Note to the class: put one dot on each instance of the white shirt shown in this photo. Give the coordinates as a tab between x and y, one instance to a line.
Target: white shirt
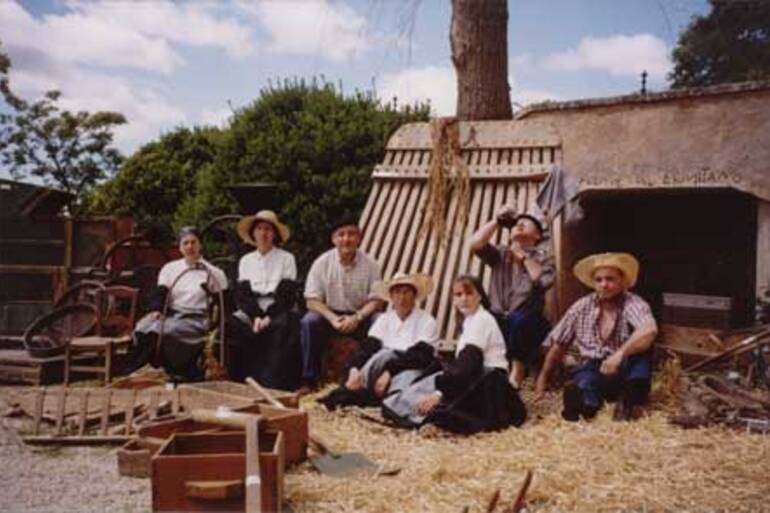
343	289
400	335
265	272
481	330
187	293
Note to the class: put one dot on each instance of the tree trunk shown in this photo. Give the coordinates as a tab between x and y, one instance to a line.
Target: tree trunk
479	39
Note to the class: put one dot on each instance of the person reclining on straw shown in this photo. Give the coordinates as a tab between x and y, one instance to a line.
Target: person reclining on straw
182	291
470	393
521	274
614	330
264	331
339	296
405	337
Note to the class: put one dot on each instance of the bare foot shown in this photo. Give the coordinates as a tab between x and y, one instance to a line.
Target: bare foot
382	384
355	380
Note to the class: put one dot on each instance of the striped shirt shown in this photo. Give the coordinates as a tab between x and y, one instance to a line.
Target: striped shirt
581	325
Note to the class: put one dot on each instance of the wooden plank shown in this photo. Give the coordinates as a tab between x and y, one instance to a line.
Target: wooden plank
465	256
154	402
76	440
383	250
416	244
401	251
442	256
175	402
106	404
384	222
368	237
38	415
484	215
253	477
366	215
83	413
130	411
60	410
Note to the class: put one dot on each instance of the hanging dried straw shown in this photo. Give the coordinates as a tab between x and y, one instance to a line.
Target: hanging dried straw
447	177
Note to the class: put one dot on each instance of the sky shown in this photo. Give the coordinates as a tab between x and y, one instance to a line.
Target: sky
167	64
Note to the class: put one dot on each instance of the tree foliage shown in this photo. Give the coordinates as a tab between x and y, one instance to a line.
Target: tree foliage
730	44
315	143
72	150
158	177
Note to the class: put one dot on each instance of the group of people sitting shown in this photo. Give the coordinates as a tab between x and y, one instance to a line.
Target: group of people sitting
398	364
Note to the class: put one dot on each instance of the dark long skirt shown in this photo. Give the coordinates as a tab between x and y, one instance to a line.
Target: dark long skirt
184	337
272	357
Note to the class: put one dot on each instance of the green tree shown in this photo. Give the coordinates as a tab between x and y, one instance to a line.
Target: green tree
158	177
72	150
729	44
318	145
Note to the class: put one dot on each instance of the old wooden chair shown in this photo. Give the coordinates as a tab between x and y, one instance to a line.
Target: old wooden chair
116	313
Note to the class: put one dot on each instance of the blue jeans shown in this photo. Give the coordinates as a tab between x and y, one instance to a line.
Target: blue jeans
634	375
524	332
314	334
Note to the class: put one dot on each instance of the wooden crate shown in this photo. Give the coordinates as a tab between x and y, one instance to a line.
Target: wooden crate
135	458
187	458
697	310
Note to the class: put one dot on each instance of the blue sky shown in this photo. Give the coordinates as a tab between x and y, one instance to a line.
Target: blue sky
165	64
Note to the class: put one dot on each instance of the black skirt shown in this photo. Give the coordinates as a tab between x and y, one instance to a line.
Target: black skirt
490	404
272	357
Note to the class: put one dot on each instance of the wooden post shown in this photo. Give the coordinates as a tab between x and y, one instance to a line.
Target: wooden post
60	410
83	413
105	410
39	403
253	479
130	411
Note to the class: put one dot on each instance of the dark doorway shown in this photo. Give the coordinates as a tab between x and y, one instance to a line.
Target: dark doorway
690	242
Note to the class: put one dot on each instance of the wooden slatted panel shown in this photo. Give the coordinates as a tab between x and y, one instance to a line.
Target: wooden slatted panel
441	257
382	199
407	214
411	254
383	223
454	247
497	202
393	221
371	201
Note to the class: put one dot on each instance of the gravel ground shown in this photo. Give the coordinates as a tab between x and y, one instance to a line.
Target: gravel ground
73	479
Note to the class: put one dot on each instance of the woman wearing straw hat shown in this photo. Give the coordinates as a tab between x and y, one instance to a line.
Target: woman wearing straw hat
182	294
264	330
403	338
614	329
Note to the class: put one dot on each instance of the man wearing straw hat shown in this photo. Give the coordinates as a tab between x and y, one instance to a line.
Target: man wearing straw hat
339	296
521	274
614	329
403	338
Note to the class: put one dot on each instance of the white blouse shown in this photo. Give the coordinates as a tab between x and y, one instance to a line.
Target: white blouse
401	335
265	272
481	330
187	295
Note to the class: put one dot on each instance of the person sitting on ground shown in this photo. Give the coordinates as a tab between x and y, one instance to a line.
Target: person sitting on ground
264	331
521	273
405	337
614	330
471	393
339	296
183	290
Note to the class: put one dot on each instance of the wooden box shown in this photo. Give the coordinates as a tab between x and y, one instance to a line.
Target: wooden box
697	310
187	461
135	458
292	423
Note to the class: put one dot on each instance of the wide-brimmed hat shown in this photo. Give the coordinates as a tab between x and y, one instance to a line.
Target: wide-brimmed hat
625	262
422	283
246	226
344	219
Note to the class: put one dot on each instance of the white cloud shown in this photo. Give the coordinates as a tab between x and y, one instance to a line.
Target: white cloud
312	27
618	55
439	85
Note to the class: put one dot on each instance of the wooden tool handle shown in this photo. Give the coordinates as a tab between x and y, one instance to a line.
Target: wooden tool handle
264	393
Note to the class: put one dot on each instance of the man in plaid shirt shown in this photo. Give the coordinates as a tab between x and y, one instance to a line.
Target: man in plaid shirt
613	329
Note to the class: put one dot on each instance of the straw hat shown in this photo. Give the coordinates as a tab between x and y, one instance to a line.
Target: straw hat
625	262
246	224
422	283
